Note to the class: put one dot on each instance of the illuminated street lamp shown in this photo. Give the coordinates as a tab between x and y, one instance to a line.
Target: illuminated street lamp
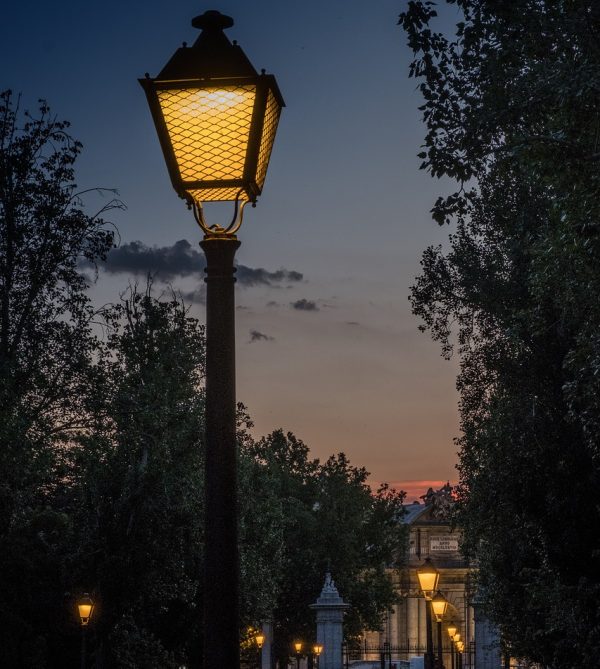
259	639
439	605
298	649
428	577
216	119
452	630
317	650
85	609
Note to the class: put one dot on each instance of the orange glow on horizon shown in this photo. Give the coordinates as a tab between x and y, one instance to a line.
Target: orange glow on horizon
415	488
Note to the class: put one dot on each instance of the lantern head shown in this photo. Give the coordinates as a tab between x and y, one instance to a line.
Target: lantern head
260	639
85	608
439	604
428	577
452	629
216	117
297	646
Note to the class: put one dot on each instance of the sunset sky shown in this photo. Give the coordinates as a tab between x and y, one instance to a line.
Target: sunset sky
326	343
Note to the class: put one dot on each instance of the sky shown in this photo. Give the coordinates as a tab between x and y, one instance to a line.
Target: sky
327	346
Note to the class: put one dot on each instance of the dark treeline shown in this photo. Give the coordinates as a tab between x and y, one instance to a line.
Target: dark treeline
101	454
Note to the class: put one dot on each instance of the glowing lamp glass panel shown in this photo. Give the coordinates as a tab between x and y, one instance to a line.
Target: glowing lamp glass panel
428	578
439	606
317	650
298	646
84	608
260	639
457	637
209	131
451	631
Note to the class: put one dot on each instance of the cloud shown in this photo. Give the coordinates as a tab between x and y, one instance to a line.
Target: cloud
181	260
304	305
195	296
255	335
259	276
352	323
272	304
165	262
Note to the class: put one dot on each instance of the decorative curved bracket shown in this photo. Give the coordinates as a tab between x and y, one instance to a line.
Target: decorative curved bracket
217	230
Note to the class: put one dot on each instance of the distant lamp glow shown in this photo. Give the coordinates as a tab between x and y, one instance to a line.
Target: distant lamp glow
317	649
460	646
215	116
259	639
439	604
428	577
298	646
85	607
456	638
452	629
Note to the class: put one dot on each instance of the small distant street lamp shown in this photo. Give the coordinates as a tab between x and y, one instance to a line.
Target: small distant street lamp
439	604
85	608
259	639
452	630
460	646
317	650
298	649
428	577
216	119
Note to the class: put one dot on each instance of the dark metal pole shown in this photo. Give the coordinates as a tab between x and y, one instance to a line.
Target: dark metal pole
429	660
452	653
83	645
439	642
221	561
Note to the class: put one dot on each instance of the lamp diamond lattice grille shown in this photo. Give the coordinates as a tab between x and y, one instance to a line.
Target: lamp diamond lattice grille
209	129
272	113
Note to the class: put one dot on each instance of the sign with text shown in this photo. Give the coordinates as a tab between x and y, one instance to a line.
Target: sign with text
443	543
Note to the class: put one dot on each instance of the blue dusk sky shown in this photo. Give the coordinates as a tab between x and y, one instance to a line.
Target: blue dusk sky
327	347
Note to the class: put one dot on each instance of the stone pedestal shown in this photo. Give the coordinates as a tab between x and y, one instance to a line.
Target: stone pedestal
487	640
330	608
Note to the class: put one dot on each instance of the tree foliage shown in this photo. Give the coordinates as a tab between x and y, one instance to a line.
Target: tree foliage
511	104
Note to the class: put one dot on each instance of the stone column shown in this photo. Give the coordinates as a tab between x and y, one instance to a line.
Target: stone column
330	609
265	656
412	623
487	640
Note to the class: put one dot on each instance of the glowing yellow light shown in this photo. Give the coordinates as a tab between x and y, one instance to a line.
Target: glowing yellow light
457	638
439	604
209	130
452	629
298	646
428	577
260	639
317	650
85	607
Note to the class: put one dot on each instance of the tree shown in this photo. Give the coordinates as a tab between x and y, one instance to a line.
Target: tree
511	109
45	349
330	519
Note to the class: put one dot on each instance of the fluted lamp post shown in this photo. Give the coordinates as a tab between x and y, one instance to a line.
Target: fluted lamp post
428	577
85	608
439	604
216	119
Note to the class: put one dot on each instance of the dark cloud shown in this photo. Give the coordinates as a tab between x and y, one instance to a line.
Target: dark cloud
352	323
304	305
165	262
181	259
255	335
259	276
273	304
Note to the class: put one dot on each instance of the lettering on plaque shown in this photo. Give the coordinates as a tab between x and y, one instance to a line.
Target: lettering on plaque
446	543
